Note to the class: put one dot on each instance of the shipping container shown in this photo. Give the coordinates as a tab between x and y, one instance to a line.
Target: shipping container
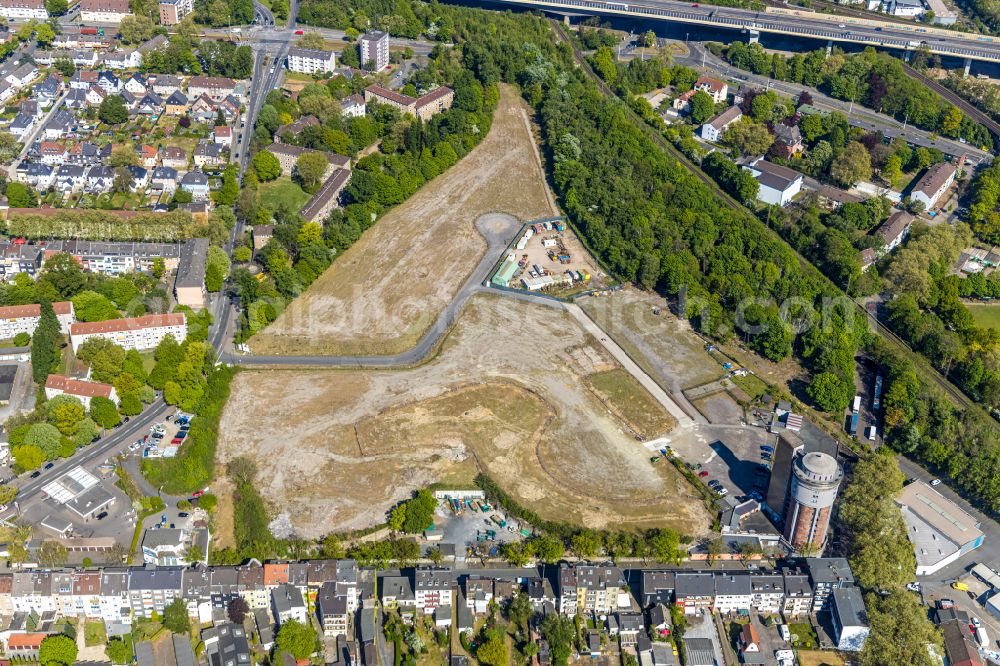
857	404
981	637
853	429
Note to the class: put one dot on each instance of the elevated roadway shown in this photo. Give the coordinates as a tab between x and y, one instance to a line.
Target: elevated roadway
789	22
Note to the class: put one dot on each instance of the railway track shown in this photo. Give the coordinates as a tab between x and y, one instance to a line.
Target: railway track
950	389
964	105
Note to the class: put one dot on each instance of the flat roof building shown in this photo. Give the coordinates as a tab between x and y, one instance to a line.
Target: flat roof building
189	285
940	530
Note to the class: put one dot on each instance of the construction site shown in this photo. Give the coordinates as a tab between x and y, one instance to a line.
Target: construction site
541	406
548	257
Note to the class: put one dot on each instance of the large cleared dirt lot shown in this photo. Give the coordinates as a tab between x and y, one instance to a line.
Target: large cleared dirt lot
517	390
390	286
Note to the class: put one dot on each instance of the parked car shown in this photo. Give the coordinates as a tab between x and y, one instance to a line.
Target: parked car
35	474
703	473
182	514
102	515
936	482
769	449
50	465
913	587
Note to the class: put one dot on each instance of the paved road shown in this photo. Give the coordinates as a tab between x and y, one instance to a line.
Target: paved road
29	490
498	230
661	396
795	22
858	115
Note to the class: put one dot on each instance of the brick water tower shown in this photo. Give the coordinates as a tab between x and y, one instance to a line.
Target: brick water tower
816	479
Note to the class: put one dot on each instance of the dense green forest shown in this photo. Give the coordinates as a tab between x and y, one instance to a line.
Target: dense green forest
874	79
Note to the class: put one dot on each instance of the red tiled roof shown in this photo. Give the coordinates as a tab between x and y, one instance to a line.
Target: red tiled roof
25	641
128	324
433	96
275	573
78	387
33	310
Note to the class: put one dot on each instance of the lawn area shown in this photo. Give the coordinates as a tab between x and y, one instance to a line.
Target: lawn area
803	634
632	402
752	384
820	658
283	192
93	634
986	315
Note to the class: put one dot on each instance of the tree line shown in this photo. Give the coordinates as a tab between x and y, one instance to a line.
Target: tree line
874	79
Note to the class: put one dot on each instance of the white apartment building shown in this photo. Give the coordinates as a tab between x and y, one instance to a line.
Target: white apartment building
103	11
310	61
132	333
374	51
16	319
18	10
84	391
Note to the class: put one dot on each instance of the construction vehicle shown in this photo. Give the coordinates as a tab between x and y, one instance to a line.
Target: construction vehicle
498	520
958	585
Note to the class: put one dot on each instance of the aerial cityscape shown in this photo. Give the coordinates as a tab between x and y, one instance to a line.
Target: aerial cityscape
499	333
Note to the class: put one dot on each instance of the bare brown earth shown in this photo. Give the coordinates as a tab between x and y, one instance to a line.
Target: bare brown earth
389	287
508	393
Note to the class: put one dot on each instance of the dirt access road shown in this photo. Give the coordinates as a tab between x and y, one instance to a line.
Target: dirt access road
508	393
386	291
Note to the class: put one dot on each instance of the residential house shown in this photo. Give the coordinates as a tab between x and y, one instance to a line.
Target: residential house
40	176
203	108
116	608
94	96
767	592
151	104
177	103
600	589
70	177
353	106
196	183
630	627
230	107
52	153
659	620
120	60
287	603
226	644
86	594
540	593
778	184
103	11
750	645
166	85
787	141
47	90
23	10
694	591
189	284
31	591
140	177
250	583
171	547
173	11
331	610
173	156
82	79
21	126
658	588
216	88
716	89
478	594
424	107
153	589
310	61
327	197
84	391
432	588
141	333
397	592
208	154
23	75
109	82
148	156
223	135
164	179
713	129
374	50
733	593
568	590
827	574
136	84
933	184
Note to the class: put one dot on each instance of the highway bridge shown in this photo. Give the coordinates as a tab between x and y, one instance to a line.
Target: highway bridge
787	21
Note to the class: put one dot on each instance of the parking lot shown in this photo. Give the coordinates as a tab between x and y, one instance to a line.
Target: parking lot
729	455
164	438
